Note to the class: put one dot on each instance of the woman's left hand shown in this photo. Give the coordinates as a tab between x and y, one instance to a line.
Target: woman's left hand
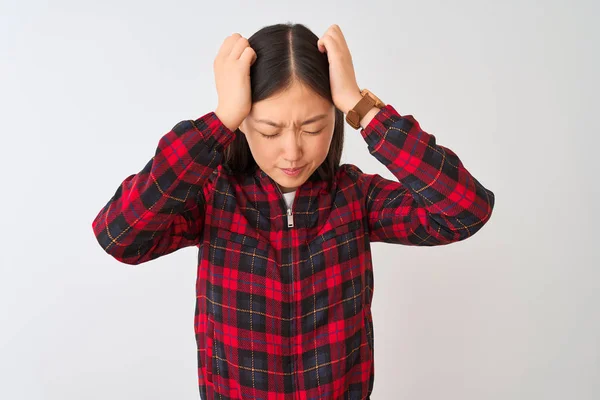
344	88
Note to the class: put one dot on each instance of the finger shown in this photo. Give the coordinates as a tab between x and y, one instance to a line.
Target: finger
238	48
321	46
228	44
321	43
330	43
248	56
325	42
342	38
336	32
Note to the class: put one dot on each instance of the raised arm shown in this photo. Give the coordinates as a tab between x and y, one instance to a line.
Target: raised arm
435	201
161	208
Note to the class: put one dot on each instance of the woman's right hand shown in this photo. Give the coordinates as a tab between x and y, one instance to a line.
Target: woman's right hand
232	78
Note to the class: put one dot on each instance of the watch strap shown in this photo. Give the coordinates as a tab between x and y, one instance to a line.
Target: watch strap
357	113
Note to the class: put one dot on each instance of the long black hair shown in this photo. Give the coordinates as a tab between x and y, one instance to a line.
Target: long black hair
286	54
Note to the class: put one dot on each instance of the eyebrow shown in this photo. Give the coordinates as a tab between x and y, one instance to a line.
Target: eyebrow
308	121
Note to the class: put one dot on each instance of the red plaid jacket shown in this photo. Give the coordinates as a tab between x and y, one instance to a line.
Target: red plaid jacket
283	306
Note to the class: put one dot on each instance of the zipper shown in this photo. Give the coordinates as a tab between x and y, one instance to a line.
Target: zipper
290	224
290	218
292	303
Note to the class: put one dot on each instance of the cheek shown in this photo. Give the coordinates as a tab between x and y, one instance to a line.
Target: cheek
324	143
261	150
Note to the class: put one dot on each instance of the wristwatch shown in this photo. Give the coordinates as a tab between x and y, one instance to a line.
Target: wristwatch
368	101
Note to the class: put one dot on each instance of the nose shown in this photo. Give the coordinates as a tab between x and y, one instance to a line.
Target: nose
292	149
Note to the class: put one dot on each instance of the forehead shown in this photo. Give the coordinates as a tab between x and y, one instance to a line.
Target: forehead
293	105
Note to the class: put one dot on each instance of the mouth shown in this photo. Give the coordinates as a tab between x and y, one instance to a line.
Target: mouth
292	171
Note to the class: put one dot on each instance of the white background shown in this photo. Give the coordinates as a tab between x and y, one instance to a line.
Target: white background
89	87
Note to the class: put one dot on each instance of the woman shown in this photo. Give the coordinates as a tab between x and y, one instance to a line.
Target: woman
285	280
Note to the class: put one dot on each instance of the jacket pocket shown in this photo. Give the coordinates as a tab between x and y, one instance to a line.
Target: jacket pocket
240	265
334	272
339	243
244	312
352	228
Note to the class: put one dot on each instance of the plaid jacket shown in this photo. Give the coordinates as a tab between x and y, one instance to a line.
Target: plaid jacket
283	306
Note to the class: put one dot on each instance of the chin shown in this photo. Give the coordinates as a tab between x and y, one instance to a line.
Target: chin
290	183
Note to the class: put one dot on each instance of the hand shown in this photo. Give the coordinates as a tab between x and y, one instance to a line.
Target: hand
344	89
232	79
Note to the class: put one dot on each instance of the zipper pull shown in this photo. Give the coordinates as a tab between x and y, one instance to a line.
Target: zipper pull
290	218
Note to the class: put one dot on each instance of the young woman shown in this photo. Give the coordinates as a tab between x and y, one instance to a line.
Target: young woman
285	279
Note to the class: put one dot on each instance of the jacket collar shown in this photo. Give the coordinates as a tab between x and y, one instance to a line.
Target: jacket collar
312	184
312	196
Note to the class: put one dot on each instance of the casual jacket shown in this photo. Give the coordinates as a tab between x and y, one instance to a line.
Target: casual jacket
283	306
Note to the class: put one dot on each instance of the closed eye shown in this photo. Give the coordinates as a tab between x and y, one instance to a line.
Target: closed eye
269	136
277	134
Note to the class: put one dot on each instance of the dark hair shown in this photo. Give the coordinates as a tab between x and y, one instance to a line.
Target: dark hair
286	54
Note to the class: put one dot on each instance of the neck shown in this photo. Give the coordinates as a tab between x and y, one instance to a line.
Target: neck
286	190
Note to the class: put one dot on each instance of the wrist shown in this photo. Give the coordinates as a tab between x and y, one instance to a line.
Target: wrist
230	123
351	102
368	117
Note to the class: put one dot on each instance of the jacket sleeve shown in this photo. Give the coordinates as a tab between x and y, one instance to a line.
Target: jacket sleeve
435	201
161	208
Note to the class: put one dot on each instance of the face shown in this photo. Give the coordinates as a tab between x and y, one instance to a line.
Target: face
290	130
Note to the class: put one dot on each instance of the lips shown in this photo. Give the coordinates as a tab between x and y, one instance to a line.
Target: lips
292	172
292	169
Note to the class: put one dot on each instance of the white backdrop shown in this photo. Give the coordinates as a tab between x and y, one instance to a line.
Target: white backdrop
89	88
